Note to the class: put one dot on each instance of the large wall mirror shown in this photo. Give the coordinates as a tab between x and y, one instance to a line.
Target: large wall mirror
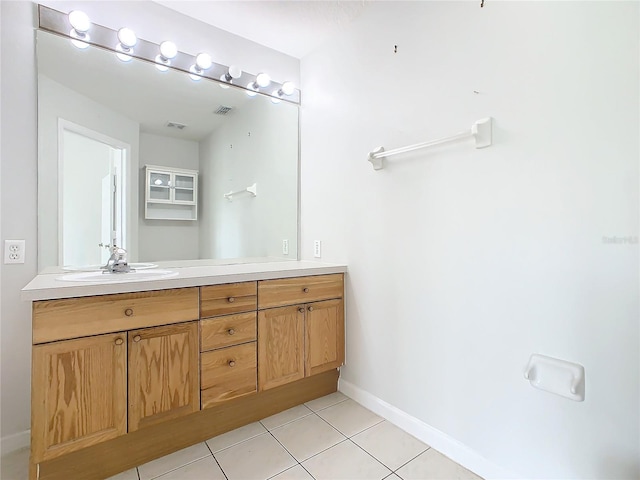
113	134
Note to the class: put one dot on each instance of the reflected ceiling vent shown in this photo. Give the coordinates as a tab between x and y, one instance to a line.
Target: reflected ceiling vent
222	110
179	126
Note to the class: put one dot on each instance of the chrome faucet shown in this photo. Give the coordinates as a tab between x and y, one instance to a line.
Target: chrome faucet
117	262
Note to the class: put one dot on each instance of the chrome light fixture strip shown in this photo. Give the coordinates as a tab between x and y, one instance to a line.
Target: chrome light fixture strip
103	37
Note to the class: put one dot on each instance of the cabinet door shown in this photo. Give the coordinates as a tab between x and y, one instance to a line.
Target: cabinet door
324	327
184	188
164	379
280	346
79	394
159	186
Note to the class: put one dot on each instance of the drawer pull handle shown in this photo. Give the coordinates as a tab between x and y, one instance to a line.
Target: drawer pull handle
231	299
305	290
128	312
301	309
310	309
137	338
119	341
232	363
231	331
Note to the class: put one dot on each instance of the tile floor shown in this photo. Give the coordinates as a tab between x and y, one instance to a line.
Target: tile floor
329	438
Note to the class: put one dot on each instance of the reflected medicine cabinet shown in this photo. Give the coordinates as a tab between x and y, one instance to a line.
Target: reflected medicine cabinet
171	193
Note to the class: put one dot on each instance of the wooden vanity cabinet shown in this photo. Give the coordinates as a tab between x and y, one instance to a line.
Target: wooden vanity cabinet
78	394
228	342
300	339
164	379
119	380
85	389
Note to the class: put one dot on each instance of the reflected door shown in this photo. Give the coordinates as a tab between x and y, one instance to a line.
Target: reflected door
92	198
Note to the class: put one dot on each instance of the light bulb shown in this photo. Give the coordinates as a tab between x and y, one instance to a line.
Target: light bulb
235	72
288	88
275	96
81	24
263	80
168	50
127	38
79	21
253	89
203	61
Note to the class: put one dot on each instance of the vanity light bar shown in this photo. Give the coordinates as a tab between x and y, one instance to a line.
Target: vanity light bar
57	22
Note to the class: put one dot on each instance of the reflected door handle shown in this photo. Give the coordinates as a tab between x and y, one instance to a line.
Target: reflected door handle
310	309
305	290
231	299
232	363
301	309
128	312
119	341
137	338
231	331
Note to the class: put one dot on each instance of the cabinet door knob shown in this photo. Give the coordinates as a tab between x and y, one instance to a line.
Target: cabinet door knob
310	308
119	341
305	290
232	363
231	331
137	338
128	312
231	299
301	309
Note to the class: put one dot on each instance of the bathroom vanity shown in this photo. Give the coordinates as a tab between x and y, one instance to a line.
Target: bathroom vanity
127	372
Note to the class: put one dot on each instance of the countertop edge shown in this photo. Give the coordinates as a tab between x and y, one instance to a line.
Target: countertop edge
54	289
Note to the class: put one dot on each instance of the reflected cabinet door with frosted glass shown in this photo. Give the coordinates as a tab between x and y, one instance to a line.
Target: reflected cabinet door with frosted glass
171	194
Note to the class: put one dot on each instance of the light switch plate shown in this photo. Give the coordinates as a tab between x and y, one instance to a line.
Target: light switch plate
317	249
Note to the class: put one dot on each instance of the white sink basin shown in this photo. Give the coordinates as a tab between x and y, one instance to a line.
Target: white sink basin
134	276
95	268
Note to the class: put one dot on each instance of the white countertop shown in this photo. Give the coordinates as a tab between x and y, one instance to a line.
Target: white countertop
47	286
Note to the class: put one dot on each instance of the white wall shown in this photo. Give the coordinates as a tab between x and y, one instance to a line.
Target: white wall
55	101
254	145
18	150
167	239
463	262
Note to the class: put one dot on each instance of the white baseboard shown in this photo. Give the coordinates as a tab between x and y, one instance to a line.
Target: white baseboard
433	437
14	442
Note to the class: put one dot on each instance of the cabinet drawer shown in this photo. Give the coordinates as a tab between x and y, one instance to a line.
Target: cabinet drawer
226	299
289	291
80	317
227	330
228	373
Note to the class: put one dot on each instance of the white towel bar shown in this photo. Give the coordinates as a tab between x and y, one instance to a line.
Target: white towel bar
481	131
252	189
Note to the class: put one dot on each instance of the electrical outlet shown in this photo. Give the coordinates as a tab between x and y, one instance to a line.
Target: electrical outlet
317	248
14	251
285	247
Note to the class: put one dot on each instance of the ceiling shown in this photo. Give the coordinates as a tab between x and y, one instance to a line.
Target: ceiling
292	27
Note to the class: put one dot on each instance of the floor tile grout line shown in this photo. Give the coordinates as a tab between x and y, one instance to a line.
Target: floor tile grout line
411	460
217	462
286	450
180	466
369	427
311	412
329	406
237	443
371	455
